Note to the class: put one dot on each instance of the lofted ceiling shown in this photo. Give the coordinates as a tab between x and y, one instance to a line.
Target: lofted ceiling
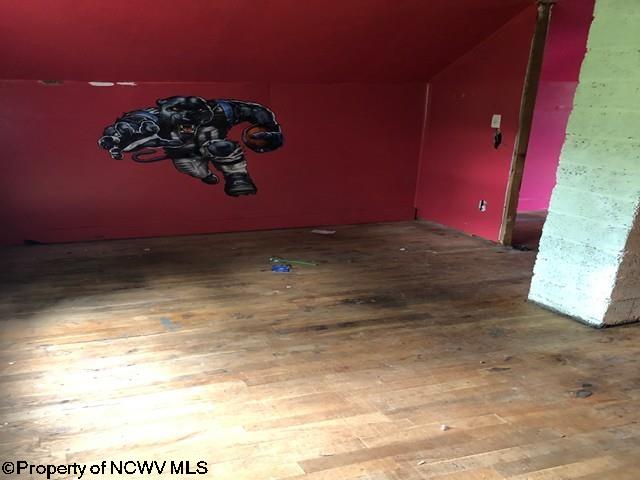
242	40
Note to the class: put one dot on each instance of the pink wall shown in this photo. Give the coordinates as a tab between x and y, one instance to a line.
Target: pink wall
459	166
565	50
350	155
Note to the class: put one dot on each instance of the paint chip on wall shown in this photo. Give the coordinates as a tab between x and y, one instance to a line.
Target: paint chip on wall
101	84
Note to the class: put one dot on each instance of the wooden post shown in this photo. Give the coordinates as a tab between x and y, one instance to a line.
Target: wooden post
527	106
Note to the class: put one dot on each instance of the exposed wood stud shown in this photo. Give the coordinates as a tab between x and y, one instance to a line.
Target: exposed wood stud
527	108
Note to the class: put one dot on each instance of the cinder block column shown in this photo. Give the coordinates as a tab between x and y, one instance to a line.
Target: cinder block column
588	265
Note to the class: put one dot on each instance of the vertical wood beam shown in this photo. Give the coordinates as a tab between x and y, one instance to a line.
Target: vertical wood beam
527	107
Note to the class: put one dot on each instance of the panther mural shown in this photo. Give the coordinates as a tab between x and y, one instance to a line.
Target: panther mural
192	133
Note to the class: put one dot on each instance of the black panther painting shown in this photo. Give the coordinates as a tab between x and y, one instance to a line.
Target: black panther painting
191	132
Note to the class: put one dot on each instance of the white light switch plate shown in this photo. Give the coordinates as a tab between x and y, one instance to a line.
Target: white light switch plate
496	120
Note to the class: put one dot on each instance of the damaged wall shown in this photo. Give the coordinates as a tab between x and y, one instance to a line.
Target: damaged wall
587	265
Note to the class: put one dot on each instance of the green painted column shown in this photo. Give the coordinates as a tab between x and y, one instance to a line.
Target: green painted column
588	265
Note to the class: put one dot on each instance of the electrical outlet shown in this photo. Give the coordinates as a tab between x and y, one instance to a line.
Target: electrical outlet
482	206
496	120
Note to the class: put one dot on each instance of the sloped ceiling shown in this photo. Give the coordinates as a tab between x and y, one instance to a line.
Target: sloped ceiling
242	40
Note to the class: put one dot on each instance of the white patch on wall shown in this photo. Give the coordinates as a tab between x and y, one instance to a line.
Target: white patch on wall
101	84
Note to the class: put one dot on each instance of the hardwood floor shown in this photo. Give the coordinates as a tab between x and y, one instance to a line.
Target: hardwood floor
408	352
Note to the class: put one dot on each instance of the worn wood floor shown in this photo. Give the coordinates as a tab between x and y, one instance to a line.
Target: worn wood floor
190	348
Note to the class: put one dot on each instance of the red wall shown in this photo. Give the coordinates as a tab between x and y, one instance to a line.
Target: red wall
350	155
316	41
459	166
342	79
564	53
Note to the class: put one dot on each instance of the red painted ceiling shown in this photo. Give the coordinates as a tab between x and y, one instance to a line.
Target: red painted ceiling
242	40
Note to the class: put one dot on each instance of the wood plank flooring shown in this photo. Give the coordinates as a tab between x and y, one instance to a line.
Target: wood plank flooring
408	352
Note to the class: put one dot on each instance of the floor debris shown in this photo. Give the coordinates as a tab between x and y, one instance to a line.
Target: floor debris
287	260
168	324
280	268
582	393
444	428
